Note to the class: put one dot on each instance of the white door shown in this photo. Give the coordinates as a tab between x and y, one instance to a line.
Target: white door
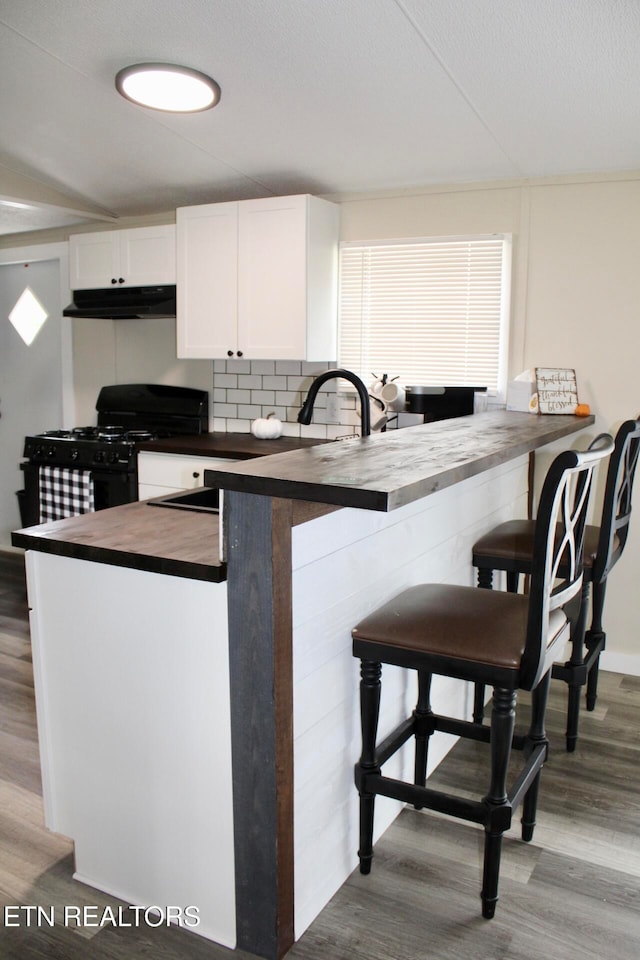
31	381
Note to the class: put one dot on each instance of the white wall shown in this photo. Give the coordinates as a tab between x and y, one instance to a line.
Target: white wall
575	303
129	351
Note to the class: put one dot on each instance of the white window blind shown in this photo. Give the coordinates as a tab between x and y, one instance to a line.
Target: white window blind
430	311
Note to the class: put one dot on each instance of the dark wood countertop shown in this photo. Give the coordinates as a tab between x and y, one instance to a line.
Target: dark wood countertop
181	543
386	471
239	446
137	535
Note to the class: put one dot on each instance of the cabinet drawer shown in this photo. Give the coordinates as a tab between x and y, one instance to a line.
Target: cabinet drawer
175	471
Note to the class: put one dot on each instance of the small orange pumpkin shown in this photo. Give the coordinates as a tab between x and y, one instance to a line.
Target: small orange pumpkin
583	410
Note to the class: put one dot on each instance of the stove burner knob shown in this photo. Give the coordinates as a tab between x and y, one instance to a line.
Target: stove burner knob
75	454
51	452
38	451
113	456
99	456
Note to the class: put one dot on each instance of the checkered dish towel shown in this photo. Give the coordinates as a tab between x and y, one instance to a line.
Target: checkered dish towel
64	493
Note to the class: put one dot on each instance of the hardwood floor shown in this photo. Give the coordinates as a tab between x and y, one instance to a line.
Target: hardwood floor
571	894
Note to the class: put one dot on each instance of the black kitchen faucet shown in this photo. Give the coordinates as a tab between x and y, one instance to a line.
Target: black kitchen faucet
307	407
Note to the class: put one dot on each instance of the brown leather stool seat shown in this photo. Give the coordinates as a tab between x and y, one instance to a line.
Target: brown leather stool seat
509	547
505	639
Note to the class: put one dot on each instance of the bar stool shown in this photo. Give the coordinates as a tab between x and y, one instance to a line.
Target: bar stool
509	547
506	640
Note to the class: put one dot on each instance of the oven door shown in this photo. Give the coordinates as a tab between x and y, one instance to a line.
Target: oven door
111	489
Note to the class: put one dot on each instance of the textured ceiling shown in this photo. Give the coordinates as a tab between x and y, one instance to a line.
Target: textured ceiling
320	96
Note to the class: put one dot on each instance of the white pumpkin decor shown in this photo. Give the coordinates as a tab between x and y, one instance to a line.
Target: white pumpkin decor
266	428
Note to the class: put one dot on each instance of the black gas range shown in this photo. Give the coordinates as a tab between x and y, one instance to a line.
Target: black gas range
99	463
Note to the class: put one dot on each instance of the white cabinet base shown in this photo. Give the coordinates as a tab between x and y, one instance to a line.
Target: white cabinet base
132	697
160	474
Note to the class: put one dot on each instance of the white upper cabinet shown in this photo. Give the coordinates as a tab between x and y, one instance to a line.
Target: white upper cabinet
258	279
145	256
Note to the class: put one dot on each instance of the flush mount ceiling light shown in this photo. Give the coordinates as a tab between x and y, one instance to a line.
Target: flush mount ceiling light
166	86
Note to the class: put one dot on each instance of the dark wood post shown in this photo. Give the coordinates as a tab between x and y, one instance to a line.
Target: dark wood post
258	539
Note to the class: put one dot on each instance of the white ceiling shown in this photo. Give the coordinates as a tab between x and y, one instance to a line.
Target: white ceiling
318	96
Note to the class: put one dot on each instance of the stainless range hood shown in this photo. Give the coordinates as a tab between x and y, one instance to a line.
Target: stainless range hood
123	303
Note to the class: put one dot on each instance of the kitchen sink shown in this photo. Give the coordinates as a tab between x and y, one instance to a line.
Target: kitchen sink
201	500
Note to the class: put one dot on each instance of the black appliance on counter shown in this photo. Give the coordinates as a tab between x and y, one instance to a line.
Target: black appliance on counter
127	415
441	403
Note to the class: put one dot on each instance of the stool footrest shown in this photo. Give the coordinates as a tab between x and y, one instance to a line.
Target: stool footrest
530	771
474	810
396	739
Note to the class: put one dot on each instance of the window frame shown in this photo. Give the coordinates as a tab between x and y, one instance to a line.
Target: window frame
498	394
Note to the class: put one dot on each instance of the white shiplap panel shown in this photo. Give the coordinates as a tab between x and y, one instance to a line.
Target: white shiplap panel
346	564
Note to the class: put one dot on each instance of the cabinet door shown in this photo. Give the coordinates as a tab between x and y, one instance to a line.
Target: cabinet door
148	256
128	258
162	473
272	278
207	245
94	260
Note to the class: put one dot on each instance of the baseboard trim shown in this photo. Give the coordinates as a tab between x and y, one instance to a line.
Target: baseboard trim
628	663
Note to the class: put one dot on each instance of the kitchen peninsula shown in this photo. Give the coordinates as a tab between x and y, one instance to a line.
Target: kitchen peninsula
198	745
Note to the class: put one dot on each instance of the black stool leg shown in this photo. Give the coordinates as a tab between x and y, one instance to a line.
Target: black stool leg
499	809
595	638
513	581
424	726
370	673
577	676
537	737
485	581
478	702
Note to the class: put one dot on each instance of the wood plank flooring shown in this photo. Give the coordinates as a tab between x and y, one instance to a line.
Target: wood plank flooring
571	894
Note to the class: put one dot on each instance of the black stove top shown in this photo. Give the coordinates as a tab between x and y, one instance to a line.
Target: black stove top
127	415
111	433
85	448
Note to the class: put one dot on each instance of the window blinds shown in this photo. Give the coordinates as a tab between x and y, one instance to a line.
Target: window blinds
432	311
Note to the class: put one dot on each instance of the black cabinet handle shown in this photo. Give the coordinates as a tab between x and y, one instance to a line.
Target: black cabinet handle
121	280
195	474
229	353
239	353
113	280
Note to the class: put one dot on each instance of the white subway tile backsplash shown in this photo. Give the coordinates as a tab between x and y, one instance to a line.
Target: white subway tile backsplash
288	367
290	429
288	398
226	380
315	430
238	366
250	381
298	383
265	368
274	383
238	426
244	390
249	411
313	369
238	396
226	410
263	396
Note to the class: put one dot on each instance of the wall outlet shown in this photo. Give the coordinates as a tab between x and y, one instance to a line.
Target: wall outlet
333	408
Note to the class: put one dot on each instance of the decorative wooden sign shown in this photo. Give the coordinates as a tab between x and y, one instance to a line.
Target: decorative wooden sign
557	390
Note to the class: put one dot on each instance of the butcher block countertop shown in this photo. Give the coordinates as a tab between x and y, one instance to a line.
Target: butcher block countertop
380	472
237	446
387	470
180	543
